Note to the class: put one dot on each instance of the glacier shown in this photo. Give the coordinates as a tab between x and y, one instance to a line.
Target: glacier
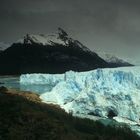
98	93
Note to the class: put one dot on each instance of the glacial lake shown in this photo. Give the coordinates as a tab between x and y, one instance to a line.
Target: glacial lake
14	82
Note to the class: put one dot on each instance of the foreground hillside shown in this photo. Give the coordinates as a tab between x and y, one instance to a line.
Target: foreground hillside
24	117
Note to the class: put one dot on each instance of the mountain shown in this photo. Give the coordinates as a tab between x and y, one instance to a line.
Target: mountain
56	53
113	60
102	93
59	38
51	39
3	46
48	54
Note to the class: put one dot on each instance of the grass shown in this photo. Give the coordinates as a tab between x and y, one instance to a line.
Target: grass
24	117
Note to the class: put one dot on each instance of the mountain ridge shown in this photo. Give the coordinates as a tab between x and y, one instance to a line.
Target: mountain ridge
57	54
113	59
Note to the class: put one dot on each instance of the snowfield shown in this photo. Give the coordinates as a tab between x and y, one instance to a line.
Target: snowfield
43	39
4	46
101	93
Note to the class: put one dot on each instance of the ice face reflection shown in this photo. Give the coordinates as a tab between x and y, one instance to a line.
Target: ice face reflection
39	88
13	82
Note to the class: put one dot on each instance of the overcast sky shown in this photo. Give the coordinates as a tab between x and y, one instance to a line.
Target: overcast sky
112	26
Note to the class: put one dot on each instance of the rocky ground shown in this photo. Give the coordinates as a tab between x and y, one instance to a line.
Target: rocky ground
24	117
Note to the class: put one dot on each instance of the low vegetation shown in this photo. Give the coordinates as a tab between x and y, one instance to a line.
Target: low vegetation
24	117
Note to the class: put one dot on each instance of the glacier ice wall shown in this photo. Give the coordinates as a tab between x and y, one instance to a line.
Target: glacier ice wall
96	92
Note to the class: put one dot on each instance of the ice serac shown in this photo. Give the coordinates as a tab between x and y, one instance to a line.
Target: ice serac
108	93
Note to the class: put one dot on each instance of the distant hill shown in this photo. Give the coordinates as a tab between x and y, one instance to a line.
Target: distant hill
113	60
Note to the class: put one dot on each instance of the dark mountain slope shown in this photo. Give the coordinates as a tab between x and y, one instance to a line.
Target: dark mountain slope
31	57
49	54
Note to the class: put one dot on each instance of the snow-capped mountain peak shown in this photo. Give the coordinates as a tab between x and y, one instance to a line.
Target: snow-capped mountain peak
60	38
57	53
41	39
112	59
3	46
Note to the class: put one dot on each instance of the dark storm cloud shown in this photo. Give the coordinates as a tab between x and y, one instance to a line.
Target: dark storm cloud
104	25
102	13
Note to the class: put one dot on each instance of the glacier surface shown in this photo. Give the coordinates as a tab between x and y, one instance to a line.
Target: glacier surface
100	93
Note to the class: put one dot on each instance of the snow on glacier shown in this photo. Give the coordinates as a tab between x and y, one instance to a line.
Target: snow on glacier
94	92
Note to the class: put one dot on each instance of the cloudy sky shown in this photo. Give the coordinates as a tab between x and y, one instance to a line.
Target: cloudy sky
112	26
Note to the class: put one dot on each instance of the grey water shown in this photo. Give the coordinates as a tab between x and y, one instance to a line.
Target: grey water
14	82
